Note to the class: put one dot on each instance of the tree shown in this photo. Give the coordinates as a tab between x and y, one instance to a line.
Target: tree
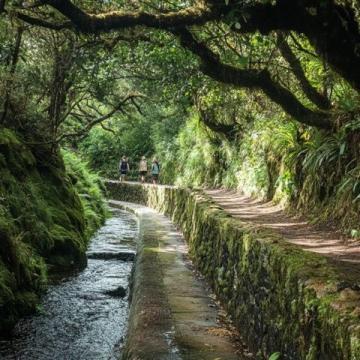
51	85
328	25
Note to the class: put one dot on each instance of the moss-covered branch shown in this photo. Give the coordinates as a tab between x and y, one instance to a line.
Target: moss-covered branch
252	79
328	25
43	23
332	29
90	23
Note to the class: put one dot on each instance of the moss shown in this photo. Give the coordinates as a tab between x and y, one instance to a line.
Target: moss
6	285
91	190
281	297
43	221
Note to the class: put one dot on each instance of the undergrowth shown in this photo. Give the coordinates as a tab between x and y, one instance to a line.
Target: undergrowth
90	188
44	223
313	171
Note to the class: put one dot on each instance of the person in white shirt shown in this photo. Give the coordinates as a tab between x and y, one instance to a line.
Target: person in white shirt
143	169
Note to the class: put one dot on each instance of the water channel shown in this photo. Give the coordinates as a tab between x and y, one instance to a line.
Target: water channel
84	315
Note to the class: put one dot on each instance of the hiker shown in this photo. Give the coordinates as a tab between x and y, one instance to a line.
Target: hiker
155	171
123	168
143	169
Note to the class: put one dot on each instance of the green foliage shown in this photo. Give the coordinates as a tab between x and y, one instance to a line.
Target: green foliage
61	82
90	188
275	356
104	149
43	222
314	171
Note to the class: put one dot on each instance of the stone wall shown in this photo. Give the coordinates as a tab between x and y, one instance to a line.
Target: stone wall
279	296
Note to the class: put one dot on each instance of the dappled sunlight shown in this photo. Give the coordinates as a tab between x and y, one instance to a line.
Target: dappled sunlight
151	102
179	249
296	231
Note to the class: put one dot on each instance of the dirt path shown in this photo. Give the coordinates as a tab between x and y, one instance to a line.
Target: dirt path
296	231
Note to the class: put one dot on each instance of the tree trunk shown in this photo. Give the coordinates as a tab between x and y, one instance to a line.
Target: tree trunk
9	82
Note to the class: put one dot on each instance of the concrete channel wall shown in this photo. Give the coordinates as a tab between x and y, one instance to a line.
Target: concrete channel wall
172	316
280	297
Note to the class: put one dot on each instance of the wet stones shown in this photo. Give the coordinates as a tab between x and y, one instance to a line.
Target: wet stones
119	292
122	256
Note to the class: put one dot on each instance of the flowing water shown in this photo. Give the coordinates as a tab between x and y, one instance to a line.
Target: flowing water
82	316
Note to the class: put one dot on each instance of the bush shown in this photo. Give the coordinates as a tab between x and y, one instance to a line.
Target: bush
90	188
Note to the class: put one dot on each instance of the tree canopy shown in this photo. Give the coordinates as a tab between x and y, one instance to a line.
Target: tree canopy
327	25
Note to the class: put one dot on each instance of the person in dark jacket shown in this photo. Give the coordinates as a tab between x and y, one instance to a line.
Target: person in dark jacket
123	168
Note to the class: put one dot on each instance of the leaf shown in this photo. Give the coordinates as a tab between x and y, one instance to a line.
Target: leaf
342	148
237	25
355	233
226	2
275	356
243	61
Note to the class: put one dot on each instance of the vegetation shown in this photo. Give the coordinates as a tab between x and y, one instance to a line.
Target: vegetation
262	96
43	222
91	190
305	169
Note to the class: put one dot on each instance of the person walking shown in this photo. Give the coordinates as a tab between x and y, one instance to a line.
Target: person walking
155	171
143	169
123	168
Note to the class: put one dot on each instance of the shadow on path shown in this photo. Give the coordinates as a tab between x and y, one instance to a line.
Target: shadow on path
296	231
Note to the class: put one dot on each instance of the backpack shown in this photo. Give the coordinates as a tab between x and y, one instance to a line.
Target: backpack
155	168
123	165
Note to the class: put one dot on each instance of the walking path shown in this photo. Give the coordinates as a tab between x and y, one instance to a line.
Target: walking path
173	316
296	231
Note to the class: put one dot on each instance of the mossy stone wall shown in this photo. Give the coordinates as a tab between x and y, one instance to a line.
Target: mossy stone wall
279	296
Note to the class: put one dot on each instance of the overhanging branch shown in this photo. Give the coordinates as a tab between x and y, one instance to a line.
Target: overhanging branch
332	28
43	23
311	92
98	120
92	23
229	131
252	79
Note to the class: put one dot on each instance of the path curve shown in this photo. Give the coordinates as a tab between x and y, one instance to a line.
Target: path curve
342	251
296	231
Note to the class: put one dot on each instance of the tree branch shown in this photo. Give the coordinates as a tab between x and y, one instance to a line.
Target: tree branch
229	131
312	94
43	23
2	6
98	120
328	25
92	23
252	79
107	128
331	28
